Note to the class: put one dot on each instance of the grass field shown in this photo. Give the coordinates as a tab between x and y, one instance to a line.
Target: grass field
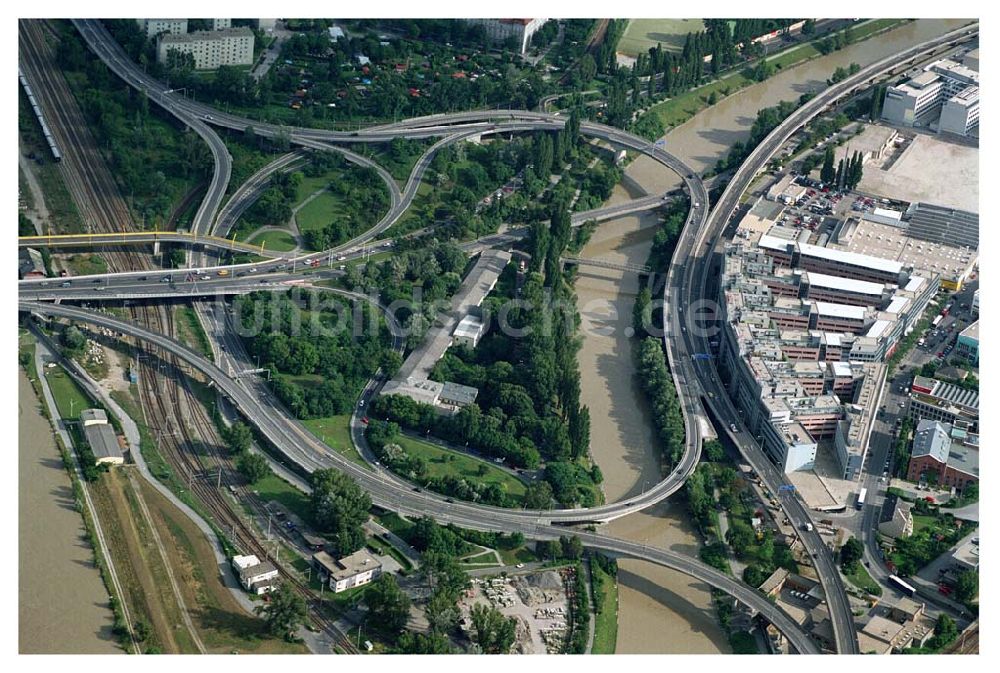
643	34
223	625
442	462
317	213
192	331
862	580
679	109
335	432
86	264
273	487
606	622
70	399
921	521
279	241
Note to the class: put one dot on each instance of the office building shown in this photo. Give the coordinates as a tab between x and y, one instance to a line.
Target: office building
501	30
210	49
939	401
154	27
967	346
919	101
960	113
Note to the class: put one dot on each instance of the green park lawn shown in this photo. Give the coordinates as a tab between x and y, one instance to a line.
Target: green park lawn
317	213
335	432
70	398
643	34
442	462
279	241
606	622
860	578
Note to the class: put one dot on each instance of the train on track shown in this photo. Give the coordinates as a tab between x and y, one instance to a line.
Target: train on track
53	147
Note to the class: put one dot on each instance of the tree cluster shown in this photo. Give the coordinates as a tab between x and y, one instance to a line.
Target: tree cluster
295	338
656	382
339	508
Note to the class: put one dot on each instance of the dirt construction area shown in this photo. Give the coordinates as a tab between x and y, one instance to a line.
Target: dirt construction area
930	170
538	602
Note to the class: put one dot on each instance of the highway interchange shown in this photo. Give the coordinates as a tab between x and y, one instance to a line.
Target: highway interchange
686	282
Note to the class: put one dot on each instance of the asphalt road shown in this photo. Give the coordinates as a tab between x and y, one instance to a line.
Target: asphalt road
690	380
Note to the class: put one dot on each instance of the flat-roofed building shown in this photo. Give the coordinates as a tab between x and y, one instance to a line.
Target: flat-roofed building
469	331
255	576
967	346
960	113
913	103
939	261
882	635
210	48
838	317
939	401
917	101
838	290
355	570
154	27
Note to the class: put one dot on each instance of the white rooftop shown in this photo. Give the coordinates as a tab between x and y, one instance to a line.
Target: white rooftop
854	258
845	284
841	368
897	305
914	284
878	328
840	310
888	212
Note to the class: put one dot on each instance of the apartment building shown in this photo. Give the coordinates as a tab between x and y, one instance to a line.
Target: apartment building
154	27
501	30
210	48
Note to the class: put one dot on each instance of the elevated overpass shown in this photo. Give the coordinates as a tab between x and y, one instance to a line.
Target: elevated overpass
294	441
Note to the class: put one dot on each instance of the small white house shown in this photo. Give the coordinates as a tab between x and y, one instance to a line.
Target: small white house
255	576
351	571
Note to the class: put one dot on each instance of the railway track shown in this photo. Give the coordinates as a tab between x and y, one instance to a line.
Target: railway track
95	191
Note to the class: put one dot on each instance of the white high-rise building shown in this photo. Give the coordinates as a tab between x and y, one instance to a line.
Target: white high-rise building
960	114
501	30
918	101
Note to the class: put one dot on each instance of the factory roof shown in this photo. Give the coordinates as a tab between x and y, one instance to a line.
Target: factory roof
877	329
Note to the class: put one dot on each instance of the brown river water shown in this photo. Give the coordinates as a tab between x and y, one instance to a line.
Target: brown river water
62	603
662	611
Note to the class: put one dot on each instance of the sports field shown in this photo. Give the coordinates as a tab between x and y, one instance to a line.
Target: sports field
642	34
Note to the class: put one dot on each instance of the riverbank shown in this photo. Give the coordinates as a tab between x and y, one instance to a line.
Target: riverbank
659	611
707	136
59	587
